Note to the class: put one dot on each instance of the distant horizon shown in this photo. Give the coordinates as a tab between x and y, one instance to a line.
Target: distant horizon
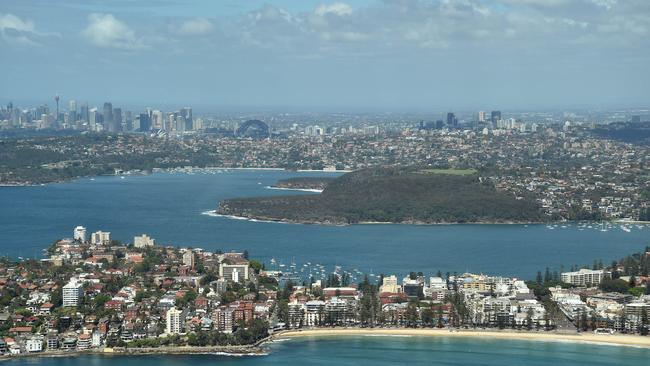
206	108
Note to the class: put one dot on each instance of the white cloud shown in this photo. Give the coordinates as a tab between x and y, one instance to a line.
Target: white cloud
13	22
15	30
196	26
104	30
339	9
345	36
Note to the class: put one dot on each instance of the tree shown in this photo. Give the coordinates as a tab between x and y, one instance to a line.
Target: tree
440	319
427	316
283	311
583	321
199	267
614	285
547	275
643	328
100	300
257	266
333	280
412	314
529	319
369	307
208	277
287	290
190	296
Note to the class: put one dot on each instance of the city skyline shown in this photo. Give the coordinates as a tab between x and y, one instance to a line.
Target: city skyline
325	55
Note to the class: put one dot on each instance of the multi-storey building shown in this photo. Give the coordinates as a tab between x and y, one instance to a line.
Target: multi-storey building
175	321
72	293
143	241
583	277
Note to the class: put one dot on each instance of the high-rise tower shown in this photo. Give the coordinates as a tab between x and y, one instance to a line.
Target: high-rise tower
56	99
108	117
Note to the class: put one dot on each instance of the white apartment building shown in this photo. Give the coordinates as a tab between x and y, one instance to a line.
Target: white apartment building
583	277
188	258
174	319
34	344
143	241
72	293
80	234
314	312
234	272
389	284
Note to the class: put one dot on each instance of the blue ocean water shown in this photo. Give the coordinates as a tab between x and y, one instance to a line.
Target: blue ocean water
380	351
171	208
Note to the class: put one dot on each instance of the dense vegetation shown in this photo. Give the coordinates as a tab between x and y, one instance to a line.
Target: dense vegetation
304	183
393	194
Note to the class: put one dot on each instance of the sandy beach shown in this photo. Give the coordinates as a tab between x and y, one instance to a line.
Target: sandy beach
586	337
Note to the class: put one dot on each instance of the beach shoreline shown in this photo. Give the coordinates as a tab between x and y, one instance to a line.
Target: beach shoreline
585	337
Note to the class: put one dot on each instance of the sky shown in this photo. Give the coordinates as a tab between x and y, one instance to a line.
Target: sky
363	55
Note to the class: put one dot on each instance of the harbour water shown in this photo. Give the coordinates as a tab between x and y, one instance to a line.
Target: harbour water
387	351
174	209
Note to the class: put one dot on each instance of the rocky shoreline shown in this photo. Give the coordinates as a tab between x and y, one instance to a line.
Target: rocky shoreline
228	214
255	349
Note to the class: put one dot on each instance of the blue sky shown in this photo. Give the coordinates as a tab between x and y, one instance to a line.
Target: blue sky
395	55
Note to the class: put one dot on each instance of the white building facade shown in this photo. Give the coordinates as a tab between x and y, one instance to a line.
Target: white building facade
72	293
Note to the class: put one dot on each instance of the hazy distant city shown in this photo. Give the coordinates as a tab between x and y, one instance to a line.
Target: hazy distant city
76	116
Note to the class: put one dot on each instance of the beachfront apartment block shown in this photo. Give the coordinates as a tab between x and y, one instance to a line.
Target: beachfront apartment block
72	293
175	320
223	318
143	241
34	344
583	277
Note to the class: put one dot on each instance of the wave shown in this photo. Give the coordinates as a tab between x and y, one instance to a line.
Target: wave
296	189
231	354
214	213
279	340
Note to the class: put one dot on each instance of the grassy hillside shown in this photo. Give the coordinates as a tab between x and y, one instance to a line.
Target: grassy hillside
400	195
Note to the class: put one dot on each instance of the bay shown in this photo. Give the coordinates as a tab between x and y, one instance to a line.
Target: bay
386	351
172	207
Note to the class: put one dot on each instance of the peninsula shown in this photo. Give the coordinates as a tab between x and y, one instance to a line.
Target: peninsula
393	195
